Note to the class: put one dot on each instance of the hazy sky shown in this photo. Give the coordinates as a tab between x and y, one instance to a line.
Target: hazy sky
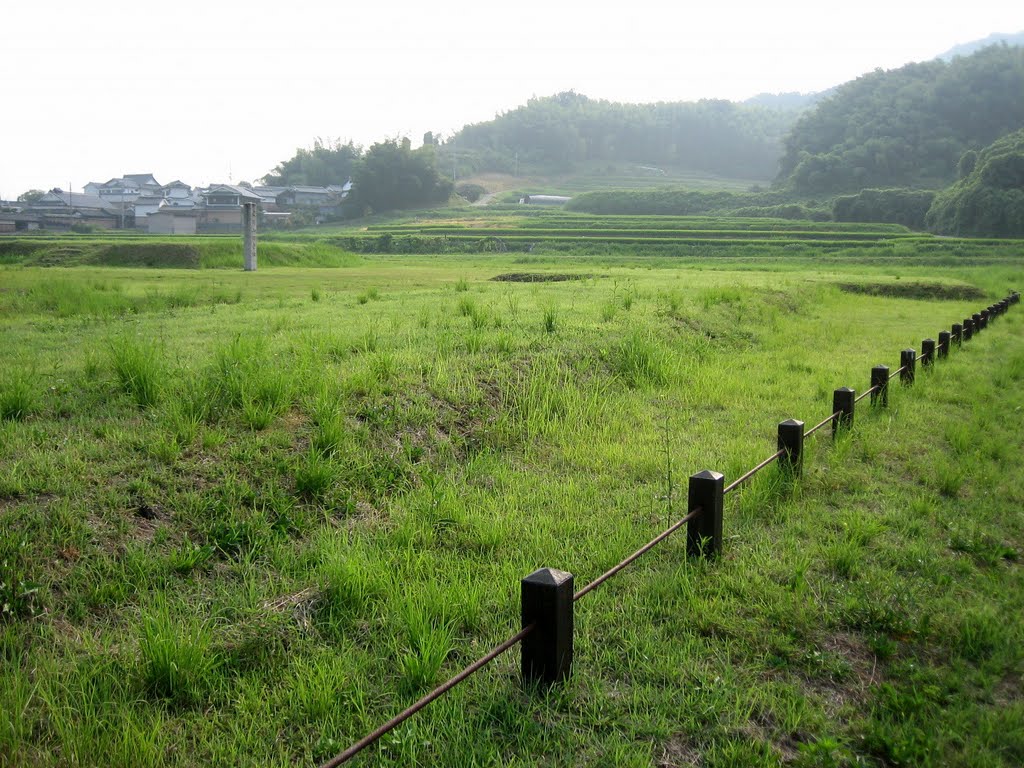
201	90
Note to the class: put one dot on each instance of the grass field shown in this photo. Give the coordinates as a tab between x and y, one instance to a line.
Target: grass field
246	518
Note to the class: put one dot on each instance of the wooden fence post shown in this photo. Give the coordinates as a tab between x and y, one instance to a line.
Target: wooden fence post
958	333
546	597
908	362
968	328
944	338
880	385
843	401
791	440
704	532
927	352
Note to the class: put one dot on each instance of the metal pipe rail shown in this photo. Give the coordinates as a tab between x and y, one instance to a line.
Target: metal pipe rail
692	515
751	472
822	423
442	689
866	393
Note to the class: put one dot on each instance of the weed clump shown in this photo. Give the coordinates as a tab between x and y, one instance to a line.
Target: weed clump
429	643
640	361
245	377
314	476
178	662
350	586
139	370
18	397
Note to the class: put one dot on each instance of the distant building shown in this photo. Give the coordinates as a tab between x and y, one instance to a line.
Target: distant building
268	196
294	197
145	206
60	210
171	221
544	200
176	190
126	188
222	207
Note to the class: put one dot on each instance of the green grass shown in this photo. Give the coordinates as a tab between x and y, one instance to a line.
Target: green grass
248	531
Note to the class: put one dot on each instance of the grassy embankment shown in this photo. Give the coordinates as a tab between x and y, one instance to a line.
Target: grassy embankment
246	518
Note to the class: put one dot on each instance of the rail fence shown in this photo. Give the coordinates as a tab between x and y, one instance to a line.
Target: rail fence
546	595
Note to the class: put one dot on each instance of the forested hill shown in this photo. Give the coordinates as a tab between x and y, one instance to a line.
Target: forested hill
906	127
567	131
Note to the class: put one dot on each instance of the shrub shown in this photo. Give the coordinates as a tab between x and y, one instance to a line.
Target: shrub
472	192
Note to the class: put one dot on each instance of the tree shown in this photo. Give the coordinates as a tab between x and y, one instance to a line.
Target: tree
330	163
30	196
392	176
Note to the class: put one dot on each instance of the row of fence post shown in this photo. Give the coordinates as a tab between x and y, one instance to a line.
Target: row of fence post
547	594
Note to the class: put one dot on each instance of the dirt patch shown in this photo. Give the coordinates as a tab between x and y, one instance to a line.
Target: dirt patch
538	277
853	689
678	752
927	291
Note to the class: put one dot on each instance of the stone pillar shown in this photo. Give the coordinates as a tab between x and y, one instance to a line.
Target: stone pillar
249	233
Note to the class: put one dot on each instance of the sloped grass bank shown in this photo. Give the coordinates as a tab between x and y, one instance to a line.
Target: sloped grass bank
175	253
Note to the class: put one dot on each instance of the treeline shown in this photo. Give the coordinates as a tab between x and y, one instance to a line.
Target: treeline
906	127
563	132
390	175
888	206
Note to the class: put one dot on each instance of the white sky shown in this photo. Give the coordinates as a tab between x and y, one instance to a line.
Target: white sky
198	90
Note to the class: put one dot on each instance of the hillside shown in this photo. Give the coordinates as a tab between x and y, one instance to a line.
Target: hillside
905	127
966	49
562	133
989	199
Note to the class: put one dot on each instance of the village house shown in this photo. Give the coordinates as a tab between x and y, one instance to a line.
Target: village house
172	221
62	210
222	207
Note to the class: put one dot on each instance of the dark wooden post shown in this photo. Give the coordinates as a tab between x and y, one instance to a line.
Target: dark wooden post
927	352
944	339
546	602
976	325
984	317
968	328
843	401
880	385
791	440
908	362
704	532
958	333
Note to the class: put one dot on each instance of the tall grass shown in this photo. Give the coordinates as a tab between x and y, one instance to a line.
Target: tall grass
640	360
139	368
177	659
19	395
